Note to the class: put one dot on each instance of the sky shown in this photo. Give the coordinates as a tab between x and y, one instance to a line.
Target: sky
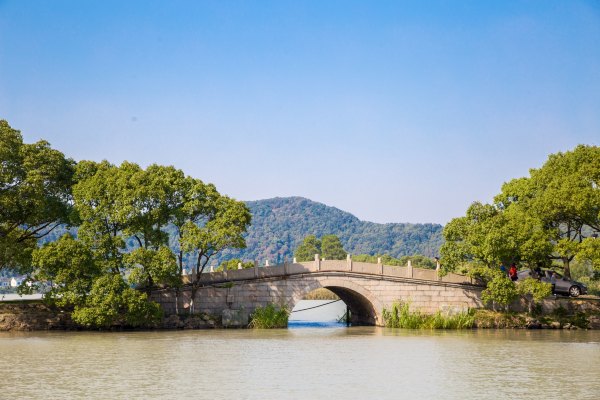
395	111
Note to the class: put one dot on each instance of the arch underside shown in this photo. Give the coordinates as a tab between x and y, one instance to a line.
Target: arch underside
361	310
364	308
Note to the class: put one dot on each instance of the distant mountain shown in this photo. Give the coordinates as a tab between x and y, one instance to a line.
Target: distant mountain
281	223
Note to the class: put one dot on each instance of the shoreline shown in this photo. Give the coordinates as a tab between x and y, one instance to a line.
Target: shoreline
23	316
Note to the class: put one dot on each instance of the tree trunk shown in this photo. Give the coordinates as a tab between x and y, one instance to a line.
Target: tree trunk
567	268
193	296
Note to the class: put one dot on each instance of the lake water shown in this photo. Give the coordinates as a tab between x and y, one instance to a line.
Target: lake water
317	313
302	363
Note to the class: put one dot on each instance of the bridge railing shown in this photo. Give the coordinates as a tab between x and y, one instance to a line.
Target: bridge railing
318	265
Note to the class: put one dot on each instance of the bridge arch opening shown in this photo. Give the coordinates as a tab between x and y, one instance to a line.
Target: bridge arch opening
345	305
361	310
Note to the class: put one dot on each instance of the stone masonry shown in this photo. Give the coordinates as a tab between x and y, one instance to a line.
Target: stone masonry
365	288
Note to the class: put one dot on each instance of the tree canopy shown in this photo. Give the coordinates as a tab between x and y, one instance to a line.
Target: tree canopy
550	215
331	248
97	273
308	248
35	193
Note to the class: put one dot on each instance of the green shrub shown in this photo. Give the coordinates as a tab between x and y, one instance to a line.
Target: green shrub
533	291
269	317
500	289
400	316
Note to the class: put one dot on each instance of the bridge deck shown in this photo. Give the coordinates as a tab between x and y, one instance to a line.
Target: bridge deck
380	271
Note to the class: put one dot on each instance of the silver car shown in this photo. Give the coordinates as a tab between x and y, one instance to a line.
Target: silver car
560	284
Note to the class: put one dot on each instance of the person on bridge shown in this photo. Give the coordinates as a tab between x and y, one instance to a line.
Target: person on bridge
503	268
512	272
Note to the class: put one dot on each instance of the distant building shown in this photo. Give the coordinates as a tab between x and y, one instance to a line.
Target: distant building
17	281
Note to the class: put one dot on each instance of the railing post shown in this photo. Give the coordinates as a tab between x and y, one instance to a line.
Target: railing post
380	265
266	263
294	262
239	265
349	261
255	269
409	269
317	262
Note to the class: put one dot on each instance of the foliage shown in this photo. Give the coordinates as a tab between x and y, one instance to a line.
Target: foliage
123	215
534	291
589	252
233	264
331	248
401	316
70	265
328	247
499	289
115	202
111	302
269	317
547	216
308	248
220	224
152	267
35	182
279	226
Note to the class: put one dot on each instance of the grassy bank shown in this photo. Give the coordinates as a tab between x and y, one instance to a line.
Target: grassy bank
269	317
401	316
556	320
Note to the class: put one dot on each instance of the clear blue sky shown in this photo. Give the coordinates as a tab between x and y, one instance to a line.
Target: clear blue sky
394	111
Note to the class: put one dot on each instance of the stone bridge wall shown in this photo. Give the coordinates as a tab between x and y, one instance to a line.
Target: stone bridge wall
366	289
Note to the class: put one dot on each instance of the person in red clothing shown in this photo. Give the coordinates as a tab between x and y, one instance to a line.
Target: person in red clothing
512	272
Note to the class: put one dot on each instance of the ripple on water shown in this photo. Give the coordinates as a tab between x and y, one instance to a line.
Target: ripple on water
306	363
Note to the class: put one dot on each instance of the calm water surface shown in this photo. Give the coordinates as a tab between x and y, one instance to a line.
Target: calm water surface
307	363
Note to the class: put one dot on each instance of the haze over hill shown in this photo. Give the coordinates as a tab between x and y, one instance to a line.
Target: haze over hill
280	224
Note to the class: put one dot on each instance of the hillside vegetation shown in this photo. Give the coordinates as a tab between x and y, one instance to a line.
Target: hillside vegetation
280	224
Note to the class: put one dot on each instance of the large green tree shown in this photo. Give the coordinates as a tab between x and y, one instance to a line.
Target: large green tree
221	225
98	299
308	248
328	247
547	216
119	202
562	198
69	265
35	193
331	248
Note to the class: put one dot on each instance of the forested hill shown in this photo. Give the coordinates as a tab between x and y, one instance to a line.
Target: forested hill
280	224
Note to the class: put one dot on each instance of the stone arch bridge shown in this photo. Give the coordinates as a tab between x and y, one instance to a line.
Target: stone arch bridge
366	288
